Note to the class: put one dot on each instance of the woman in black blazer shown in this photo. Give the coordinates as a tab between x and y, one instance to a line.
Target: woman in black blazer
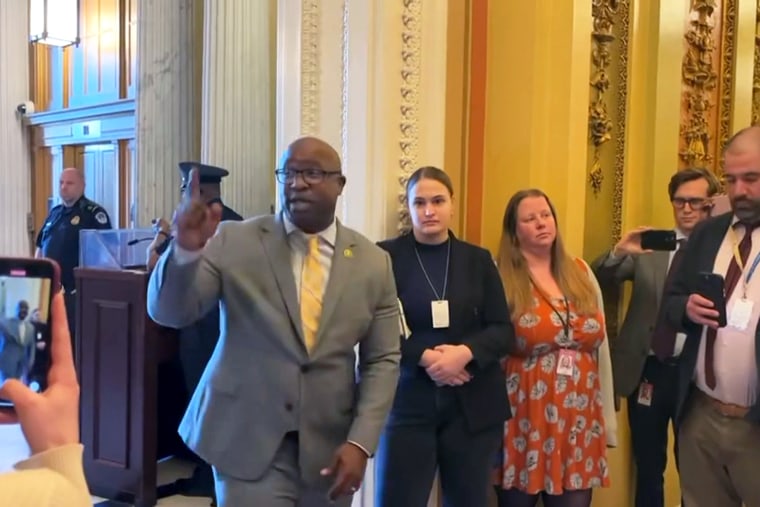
451	400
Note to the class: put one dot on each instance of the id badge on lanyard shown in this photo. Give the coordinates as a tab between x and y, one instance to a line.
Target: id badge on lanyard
566	356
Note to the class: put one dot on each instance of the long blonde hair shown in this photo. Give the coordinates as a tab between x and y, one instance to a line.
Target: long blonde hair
571	278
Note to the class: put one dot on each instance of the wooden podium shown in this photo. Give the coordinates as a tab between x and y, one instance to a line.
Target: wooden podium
118	350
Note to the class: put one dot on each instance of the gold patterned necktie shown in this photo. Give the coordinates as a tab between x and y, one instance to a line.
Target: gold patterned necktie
312	285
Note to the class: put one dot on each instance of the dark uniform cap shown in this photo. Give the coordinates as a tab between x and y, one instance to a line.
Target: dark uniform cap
208	173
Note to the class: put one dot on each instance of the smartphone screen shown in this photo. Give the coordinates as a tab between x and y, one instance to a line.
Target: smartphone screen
26	289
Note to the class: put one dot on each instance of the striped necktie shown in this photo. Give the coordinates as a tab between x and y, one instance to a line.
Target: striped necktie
312	287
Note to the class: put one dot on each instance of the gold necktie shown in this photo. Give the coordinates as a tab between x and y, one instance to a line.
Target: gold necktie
312	285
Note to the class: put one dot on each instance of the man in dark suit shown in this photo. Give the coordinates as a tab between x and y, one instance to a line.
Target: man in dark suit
645	353
718	410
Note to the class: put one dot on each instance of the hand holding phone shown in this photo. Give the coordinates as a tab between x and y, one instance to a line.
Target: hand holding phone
708	305
27	286
659	240
49	419
630	242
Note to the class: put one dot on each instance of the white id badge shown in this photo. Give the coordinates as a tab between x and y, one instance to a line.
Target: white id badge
440	311
565	362
645	394
740	314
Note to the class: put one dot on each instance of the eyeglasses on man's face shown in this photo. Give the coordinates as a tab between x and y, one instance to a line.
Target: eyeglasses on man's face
311	176
695	203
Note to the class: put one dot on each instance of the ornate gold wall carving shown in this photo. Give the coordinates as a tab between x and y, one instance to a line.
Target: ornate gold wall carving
756	80
607	117
707	72
701	79
600	124
622	101
727	41
310	66
410	84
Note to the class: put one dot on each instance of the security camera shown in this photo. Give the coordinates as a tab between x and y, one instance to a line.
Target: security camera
25	108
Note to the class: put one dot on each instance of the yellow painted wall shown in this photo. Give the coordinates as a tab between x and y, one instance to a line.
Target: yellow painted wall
536	97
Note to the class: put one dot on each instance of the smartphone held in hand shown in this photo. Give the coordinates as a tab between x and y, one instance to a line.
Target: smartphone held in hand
712	286
27	287
660	240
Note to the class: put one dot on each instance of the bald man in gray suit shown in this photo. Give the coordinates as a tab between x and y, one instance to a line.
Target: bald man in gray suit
281	412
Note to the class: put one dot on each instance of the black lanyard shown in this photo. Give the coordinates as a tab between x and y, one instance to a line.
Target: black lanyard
566	321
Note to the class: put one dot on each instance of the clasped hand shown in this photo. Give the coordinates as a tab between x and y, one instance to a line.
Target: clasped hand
445	364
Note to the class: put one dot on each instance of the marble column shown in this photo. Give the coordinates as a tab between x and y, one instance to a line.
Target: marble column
237	130
168	102
15	170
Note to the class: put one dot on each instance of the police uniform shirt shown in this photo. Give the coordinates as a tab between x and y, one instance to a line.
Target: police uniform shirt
59	237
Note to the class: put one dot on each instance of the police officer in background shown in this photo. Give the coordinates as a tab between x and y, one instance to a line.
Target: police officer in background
197	341
210	179
59	237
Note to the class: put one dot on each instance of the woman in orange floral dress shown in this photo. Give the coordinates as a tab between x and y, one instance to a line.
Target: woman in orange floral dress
559	377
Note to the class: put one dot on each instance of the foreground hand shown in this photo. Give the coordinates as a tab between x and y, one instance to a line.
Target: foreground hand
49	419
630	243
348	465
195	221
701	310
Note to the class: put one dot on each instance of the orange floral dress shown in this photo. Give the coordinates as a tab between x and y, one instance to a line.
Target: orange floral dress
555	440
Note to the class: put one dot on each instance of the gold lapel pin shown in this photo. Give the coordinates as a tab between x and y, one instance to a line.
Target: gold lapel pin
348	253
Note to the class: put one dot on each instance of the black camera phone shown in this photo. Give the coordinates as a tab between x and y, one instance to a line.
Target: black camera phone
26	294
661	240
712	286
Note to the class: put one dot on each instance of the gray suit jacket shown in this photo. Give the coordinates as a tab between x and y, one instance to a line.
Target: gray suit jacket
260	381
631	347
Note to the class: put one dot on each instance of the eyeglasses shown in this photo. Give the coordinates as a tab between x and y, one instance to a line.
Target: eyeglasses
695	203
310	176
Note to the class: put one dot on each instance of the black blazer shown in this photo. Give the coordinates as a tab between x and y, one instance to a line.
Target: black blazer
479	318
699	256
